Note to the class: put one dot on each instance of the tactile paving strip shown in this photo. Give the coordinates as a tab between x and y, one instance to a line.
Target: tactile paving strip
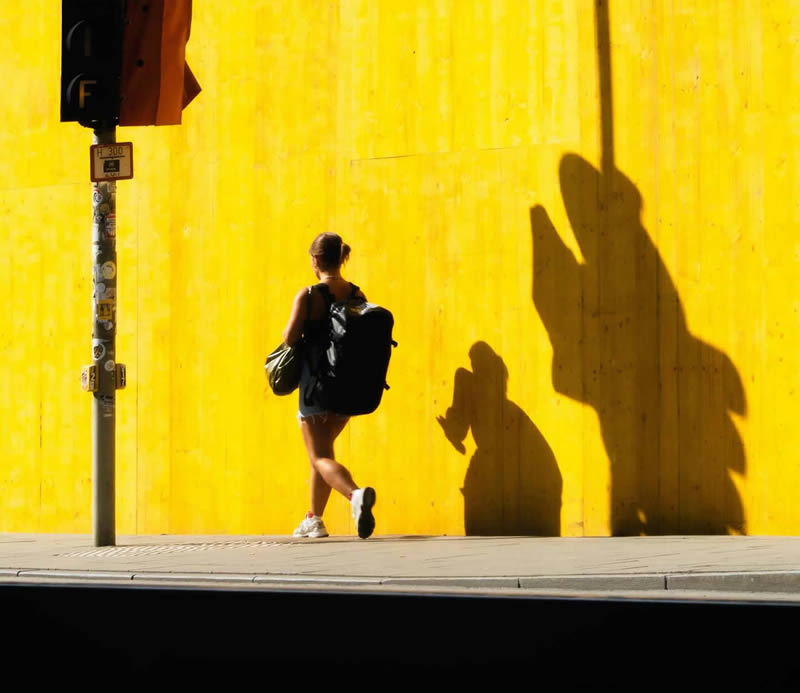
121	551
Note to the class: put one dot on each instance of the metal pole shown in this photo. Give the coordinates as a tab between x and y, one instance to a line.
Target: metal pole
104	316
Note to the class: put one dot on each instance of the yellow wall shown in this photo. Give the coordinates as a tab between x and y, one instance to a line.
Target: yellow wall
644	313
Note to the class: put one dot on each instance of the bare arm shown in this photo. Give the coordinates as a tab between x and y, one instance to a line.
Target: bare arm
300	310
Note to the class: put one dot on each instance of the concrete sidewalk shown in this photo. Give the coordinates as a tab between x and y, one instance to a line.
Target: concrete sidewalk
645	566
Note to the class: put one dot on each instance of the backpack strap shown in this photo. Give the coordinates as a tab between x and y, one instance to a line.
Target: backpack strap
308	313
328	298
325	291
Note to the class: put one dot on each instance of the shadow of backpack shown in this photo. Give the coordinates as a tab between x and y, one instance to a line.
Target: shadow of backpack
350	374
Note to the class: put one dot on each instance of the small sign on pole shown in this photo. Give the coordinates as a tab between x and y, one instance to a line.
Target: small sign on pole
89	378
111	161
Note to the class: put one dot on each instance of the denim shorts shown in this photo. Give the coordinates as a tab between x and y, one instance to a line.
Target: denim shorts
311	411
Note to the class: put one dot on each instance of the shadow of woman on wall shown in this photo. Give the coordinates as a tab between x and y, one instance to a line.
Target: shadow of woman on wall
622	345
512	485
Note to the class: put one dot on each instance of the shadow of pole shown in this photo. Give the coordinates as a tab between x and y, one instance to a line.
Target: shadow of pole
621	344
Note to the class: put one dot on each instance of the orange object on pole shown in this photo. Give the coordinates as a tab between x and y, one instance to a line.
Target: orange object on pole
156	83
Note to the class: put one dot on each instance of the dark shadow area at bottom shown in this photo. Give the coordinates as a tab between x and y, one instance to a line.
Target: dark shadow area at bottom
128	636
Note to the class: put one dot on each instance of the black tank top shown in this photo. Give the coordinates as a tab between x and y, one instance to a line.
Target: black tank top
315	332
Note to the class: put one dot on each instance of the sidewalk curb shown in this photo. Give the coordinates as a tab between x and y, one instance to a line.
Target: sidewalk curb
638	581
745	582
766	581
470	582
326	580
184	577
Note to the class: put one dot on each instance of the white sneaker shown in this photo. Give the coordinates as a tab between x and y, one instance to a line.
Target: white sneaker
312	527
361	502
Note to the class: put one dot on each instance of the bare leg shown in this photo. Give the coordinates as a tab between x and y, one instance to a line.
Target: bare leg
320	492
326	472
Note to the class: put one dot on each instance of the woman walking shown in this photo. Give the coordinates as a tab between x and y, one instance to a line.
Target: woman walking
319	427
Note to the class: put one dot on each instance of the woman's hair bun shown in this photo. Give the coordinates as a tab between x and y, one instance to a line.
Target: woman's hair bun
330	250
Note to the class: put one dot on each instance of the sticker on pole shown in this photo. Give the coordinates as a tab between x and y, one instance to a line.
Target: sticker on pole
111	161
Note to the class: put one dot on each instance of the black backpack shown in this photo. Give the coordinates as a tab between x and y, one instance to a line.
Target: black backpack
349	376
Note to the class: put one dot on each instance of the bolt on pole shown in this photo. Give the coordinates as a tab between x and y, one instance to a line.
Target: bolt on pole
104	317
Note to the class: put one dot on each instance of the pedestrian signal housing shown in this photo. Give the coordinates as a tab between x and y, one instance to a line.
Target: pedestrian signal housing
91	56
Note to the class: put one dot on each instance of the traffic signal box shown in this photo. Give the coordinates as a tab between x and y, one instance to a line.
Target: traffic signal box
91	41
123	63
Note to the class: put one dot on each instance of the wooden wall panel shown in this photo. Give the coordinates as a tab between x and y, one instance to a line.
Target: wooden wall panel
589	344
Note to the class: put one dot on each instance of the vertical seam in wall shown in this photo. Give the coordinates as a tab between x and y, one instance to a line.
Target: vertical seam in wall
678	412
676	369
583	399
656	234
500	448
170	338
136	362
40	456
659	383
450	89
